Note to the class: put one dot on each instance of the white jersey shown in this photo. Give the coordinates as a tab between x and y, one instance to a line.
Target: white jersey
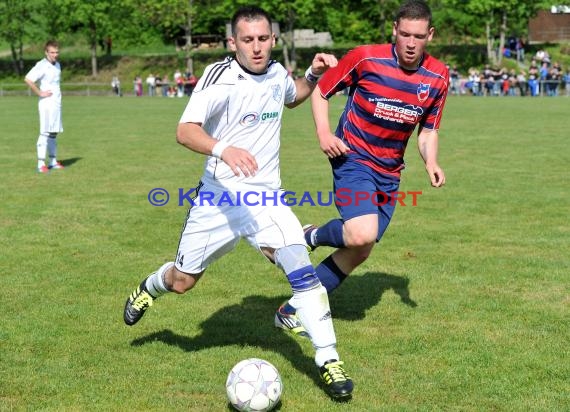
244	110
49	77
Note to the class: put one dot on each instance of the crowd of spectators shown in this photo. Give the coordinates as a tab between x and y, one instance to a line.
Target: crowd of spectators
542	78
181	85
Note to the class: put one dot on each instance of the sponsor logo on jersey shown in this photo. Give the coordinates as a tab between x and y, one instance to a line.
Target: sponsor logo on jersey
276	92
240	77
249	119
253	118
269	116
423	92
400	114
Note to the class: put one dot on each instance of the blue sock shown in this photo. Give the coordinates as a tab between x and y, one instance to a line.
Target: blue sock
287	308
330	274
330	234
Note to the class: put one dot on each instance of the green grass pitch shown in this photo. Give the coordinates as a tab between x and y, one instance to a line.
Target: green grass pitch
463	306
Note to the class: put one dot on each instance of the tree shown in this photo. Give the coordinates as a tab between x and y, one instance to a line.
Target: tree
494	17
94	19
177	19
387	10
18	23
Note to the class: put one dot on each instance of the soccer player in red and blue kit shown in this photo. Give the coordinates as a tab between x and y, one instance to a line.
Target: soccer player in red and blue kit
392	89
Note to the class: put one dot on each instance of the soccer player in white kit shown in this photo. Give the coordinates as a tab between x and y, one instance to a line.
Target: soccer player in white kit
234	117
48	73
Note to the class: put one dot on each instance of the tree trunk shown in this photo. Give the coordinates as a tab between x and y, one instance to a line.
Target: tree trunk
188	29
94	59
503	34
291	30
384	36
21	57
17	59
286	56
491	55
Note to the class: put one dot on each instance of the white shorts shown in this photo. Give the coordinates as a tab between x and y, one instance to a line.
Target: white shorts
215	224
50	115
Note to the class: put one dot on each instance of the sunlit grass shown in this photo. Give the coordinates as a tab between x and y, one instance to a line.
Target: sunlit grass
462	306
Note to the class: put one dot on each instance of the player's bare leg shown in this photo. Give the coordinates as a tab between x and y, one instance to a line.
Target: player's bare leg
166	279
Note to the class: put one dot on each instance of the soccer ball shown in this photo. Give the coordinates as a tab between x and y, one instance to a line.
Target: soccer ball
254	385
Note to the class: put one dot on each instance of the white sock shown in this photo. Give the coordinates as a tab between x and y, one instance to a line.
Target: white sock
314	312
155	282
41	146
52	149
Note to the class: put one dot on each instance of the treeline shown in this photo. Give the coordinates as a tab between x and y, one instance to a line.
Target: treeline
130	23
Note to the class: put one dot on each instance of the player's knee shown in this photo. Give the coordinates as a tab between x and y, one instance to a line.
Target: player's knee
182	282
359	239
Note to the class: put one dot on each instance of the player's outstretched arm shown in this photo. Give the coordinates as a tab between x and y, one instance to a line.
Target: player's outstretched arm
195	138
428	141
306	84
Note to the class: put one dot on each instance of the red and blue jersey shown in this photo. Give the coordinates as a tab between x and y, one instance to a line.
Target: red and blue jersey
385	103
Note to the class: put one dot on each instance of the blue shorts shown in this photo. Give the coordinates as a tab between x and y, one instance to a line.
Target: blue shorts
359	191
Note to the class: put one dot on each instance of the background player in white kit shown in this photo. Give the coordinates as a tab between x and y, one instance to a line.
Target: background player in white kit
48	73
234	117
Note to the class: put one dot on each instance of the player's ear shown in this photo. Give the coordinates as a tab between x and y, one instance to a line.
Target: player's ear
232	43
431	32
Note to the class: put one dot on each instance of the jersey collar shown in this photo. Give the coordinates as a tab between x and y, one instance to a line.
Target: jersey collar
407	70
249	71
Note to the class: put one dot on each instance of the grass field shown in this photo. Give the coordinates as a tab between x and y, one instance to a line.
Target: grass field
463	306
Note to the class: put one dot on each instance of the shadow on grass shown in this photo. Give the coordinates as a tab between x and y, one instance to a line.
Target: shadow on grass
247	324
359	293
69	162
251	322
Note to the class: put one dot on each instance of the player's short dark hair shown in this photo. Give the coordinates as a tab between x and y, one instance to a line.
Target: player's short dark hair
414	10
51	43
249	13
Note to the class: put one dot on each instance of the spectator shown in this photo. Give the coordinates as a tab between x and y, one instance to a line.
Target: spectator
454	80
138	87
520	49
553	81
522	83
165	85
505	84
116	85
158	85
539	56
533	79
474	82
567	82
179	80
512	79
512	43
151	83
489	79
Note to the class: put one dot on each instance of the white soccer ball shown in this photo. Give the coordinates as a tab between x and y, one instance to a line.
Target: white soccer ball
254	385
